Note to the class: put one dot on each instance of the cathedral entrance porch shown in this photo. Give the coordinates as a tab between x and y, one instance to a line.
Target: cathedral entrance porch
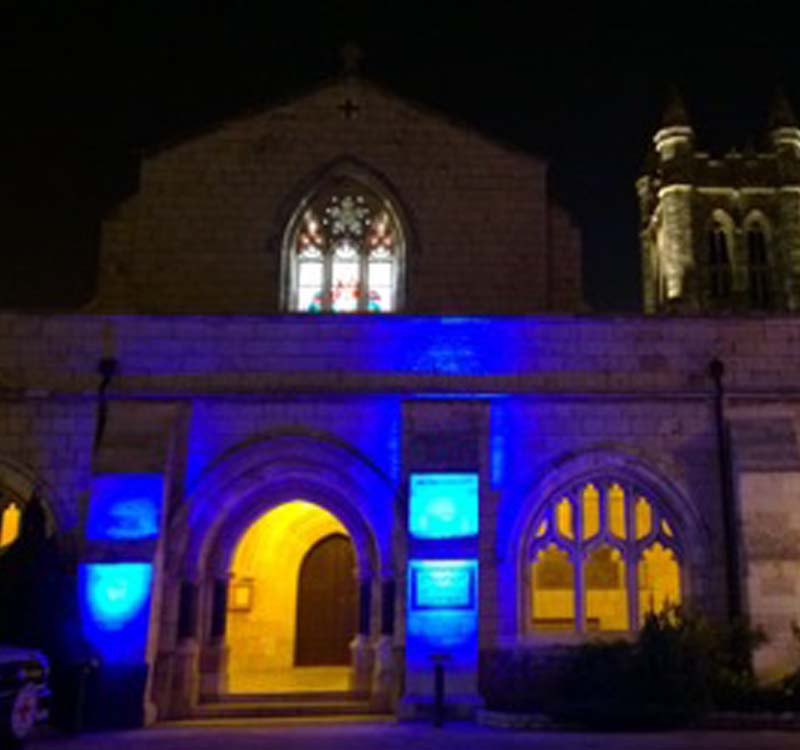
292	604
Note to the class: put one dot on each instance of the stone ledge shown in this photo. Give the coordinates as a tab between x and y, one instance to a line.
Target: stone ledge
726	721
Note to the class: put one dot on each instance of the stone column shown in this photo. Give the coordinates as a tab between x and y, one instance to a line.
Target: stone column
384	675
186	673
675	251
788	246
214	653
361	648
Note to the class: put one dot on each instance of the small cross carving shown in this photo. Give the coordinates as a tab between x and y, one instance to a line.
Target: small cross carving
349	109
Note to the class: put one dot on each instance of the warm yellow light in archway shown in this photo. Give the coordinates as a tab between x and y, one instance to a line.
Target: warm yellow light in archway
9	524
263	602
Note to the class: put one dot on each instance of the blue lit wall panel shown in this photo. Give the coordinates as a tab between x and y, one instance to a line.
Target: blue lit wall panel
115	609
443	506
450	629
125	506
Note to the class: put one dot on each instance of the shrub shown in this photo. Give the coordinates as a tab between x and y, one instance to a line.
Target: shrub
679	667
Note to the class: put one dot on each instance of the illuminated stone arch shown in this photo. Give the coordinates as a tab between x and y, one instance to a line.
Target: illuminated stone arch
240	487
676	526
268	471
345	242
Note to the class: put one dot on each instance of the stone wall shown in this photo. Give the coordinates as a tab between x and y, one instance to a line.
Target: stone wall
555	390
204	233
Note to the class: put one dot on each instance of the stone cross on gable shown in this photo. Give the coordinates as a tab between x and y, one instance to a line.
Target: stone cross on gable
349	109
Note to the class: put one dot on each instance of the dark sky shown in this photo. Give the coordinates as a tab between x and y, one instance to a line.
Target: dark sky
87	85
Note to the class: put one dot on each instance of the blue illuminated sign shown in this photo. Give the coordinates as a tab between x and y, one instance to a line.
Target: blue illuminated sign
443	506
125	506
115	608
442	613
442	584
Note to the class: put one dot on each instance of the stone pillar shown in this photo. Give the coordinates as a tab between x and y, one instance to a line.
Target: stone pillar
361	648
384	675
214	653
185	673
675	247
788	241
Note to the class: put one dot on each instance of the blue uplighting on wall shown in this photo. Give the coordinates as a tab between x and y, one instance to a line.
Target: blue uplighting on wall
443	506
125	506
442	616
115	609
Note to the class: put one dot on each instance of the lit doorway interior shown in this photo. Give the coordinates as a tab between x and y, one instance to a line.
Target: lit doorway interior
292	603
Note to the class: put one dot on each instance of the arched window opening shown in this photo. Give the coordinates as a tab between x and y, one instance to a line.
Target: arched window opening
345	250
553	601
601	557
719	264
10	517
758	270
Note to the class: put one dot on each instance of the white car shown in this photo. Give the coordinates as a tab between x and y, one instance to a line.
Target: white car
24	695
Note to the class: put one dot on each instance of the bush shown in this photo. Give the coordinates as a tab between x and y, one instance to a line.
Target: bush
678	668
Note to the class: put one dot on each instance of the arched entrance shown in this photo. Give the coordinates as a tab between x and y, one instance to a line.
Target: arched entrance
292	604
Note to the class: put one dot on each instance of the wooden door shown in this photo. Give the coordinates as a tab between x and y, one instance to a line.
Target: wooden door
326	603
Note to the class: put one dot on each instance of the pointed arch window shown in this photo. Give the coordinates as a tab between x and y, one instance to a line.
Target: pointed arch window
719	262
602	557
758	267
345	251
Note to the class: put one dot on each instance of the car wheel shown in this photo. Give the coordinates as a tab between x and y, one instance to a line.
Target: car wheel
22	716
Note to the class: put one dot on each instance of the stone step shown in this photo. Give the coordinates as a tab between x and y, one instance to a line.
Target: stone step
308	696
270	708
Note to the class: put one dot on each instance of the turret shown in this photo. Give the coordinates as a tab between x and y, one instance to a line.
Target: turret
675	137
783	127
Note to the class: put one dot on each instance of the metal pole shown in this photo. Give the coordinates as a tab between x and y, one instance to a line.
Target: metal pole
716	369
438	694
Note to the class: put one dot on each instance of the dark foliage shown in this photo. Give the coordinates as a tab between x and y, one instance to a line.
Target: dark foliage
39	607
679	668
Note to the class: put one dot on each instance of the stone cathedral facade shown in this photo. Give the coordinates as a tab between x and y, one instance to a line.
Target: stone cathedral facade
334	417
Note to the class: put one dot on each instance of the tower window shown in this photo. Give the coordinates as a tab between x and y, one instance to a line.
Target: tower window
758	270
719	264
345	250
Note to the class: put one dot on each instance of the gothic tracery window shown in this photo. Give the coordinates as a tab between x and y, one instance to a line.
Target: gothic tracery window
345	251
719	263
601	558
758	269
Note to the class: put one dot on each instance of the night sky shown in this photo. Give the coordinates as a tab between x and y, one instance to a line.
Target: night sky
88	86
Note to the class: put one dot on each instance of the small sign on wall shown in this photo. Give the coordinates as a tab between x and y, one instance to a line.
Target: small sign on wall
240	595
443	584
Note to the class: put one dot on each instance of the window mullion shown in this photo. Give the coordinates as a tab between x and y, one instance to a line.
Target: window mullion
579	578
327	280
631	557
363	272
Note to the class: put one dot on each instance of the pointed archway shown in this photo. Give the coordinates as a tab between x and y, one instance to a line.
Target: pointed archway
292	603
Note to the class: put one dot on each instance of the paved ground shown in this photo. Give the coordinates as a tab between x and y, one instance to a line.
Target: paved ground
388	736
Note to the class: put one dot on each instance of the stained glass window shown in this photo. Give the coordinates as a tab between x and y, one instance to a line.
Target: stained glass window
345	251
604	567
